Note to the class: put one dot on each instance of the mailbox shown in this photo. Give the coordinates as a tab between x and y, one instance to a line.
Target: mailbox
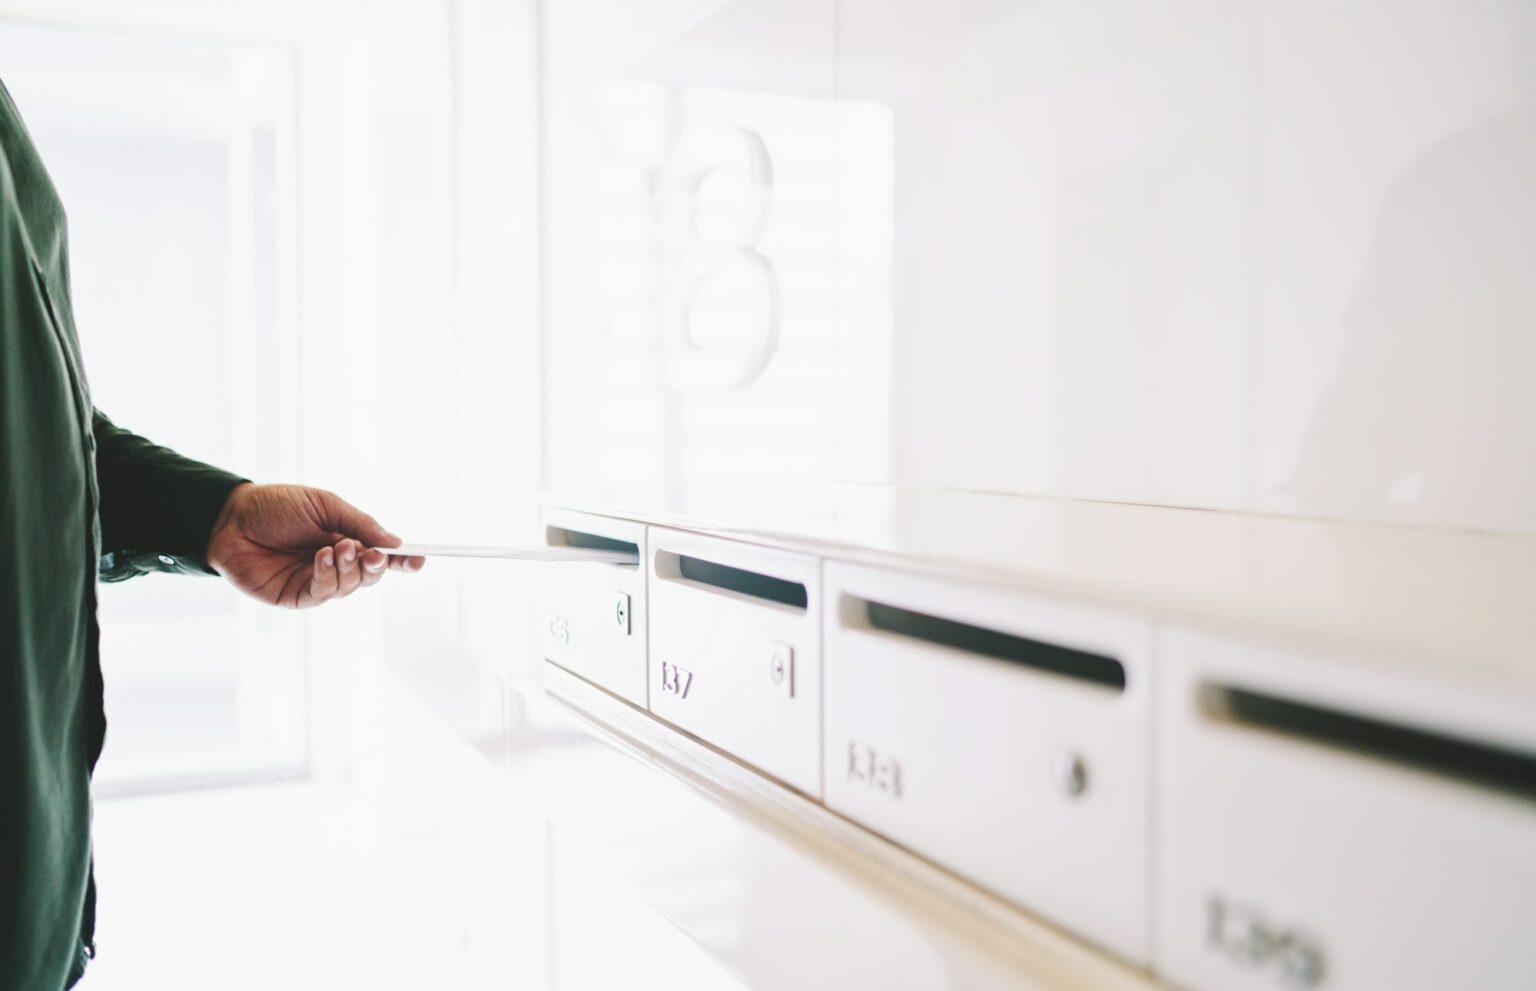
1003	736
1336	823
736	650
593	620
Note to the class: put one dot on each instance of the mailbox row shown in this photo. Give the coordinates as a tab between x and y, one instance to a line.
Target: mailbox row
1222	811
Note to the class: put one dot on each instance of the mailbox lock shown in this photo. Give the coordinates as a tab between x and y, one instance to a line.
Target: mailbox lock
781	668
621	612
1071	774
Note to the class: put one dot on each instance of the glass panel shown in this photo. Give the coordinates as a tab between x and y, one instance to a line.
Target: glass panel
171	160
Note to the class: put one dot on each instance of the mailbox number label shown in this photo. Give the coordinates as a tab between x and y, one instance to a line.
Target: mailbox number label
876	771
676	680
1245	936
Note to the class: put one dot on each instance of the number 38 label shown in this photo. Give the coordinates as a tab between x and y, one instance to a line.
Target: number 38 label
717	295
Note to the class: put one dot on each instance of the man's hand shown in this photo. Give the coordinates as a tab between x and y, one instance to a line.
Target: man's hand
297	547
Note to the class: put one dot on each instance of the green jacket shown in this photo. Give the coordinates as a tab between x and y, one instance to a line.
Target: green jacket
80	499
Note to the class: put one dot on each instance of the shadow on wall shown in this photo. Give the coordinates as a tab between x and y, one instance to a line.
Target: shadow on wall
1431	416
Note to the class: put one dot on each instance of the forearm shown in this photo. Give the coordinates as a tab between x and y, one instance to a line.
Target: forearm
157	508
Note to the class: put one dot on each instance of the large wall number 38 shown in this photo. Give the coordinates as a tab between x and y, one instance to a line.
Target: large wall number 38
717	295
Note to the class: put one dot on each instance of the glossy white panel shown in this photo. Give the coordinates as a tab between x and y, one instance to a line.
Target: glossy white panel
739	671
1064	179
1404	599
608	936
1290	858
1033	782
694	212
1264	256
781	892
592	617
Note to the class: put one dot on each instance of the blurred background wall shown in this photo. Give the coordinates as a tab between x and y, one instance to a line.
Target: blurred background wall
304	248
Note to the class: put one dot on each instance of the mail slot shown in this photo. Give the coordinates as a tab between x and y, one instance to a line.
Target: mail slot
736	651
1336	824
593	621
1000	735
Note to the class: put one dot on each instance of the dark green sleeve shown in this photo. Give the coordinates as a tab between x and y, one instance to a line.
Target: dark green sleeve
157	508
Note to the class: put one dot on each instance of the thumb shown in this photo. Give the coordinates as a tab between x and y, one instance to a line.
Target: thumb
346	519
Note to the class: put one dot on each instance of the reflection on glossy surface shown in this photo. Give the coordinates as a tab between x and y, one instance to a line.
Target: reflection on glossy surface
709	171
1453	602
771	898
711	262
1261	256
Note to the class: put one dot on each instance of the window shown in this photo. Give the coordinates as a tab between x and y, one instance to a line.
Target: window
173	159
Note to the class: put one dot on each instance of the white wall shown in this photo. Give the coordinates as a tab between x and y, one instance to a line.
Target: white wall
1261	256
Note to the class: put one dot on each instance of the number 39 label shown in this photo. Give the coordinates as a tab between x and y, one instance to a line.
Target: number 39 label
1246	937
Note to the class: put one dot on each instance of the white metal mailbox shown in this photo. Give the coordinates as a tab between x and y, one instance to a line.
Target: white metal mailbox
1002	736
593	620
736	650
1340	825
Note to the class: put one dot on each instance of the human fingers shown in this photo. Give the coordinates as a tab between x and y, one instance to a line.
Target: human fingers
347	519
349	570
406	564
324	580
374	563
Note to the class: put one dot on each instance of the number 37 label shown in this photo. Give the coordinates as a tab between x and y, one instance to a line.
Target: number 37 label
675	680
